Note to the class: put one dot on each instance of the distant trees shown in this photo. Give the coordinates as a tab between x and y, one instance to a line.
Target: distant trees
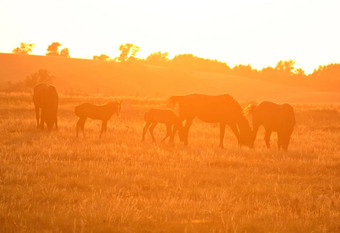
41	76
23	49
53	50
157	58
323	78
127	51
65	53
101	57
189	61
286	67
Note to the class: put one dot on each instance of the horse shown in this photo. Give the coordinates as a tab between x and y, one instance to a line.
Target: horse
96	112
222	109
165	116
277	118
45	97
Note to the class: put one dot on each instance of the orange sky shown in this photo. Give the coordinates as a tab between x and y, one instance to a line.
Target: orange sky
259	33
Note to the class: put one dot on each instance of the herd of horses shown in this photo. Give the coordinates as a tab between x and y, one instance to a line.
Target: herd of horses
221	109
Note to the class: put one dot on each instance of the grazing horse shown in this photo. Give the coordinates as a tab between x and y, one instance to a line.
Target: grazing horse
222	109
165	116
45	97
102	112
278	118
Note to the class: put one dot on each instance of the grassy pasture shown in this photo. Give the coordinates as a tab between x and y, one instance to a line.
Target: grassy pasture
59	183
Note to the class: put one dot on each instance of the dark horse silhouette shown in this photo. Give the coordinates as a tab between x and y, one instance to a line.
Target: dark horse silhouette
278	118
102	112
221	109
45	97
165	116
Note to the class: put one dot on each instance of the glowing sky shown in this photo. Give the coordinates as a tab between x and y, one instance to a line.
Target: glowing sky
259	33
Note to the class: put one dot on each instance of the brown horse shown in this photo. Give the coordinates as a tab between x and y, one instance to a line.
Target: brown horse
167	117
45	97
278	118
222	109
102	112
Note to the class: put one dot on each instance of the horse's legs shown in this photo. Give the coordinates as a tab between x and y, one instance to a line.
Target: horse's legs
153	125
279	140
255	129
80	124
56	123
83	126
222	130
104	127
42	120
187	125
168	132
267	137
173	129
285	140
37	115
147	124
236	132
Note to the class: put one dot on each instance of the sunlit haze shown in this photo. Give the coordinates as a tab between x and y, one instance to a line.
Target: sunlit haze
259	33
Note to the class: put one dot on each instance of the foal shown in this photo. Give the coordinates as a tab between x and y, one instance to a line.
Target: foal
102	112
167	117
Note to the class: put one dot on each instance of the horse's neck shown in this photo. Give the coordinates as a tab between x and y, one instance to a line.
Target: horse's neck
243	123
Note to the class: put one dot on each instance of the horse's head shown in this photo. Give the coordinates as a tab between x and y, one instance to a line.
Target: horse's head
246	134
115	107
172	101
49	117
249	109
119	106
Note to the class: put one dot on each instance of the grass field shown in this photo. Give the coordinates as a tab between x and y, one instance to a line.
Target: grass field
59	183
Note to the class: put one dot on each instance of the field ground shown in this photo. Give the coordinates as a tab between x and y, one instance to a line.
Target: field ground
59	183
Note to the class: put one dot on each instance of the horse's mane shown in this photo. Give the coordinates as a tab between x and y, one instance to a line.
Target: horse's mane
249	109
173	100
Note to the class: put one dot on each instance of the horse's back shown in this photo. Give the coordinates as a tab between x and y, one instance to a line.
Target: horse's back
98	112
45	95
209	108
160	115
274	116
83	110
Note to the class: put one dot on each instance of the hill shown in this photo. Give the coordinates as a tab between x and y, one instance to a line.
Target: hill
82	76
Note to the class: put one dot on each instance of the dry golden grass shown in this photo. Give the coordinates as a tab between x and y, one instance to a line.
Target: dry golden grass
59	183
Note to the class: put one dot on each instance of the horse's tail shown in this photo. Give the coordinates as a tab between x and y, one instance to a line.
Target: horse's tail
249	109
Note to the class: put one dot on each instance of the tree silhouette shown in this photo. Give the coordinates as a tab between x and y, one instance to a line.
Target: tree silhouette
157	58
24	49
191	62
101	57
285	66
53	49
245	70
126	50
300	72
65	53
41	76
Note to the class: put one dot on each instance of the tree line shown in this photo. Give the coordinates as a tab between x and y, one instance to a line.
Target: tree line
52	49
283	72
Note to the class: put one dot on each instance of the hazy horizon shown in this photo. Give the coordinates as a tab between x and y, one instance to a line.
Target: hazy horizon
258	33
